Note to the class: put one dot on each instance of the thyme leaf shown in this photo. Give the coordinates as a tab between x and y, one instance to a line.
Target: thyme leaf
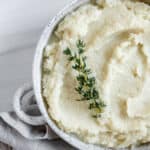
86	82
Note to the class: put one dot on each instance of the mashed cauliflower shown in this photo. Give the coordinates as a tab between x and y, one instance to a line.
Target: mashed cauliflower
117	37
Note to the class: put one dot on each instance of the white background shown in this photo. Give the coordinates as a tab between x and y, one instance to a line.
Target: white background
21	24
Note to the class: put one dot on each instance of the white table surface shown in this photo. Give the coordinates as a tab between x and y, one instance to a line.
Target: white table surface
21	23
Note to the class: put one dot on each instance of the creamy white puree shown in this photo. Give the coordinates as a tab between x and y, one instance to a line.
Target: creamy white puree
117	37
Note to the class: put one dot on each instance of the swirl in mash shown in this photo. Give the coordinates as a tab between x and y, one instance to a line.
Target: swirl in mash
117	37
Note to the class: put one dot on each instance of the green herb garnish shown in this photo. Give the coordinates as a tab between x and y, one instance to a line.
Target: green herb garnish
86	82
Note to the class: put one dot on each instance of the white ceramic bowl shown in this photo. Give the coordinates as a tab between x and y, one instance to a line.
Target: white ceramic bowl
37	75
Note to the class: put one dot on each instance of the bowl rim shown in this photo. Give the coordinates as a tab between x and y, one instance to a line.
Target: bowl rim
37	76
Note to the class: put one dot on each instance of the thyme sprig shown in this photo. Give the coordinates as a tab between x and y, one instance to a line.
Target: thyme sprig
86	82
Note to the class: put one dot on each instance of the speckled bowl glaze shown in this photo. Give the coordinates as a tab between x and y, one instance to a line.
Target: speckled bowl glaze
37	75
